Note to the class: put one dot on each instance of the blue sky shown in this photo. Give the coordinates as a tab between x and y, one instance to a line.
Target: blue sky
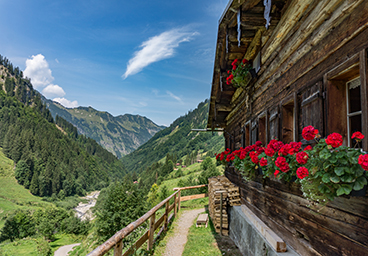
153	58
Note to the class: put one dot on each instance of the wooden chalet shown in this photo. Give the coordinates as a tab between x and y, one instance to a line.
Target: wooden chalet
311	64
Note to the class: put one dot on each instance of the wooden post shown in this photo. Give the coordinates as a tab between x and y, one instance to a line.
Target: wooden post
118	249
221	213
175	210
179	200
151	232
166	218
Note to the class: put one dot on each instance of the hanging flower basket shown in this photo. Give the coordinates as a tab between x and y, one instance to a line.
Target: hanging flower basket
241	73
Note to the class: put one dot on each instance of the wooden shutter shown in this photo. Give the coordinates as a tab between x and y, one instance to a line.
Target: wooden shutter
254	131
273	122
311	108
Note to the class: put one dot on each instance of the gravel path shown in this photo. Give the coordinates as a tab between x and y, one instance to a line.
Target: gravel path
175	245
63	250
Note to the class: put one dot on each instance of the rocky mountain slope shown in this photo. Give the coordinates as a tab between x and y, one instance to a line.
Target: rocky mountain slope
120	135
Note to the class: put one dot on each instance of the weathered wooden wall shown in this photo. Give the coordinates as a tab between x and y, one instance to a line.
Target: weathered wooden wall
340	228
301	71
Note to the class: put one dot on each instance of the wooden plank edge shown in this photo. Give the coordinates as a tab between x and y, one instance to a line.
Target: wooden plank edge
273	239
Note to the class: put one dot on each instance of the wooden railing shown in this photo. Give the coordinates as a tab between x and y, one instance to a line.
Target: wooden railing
116	241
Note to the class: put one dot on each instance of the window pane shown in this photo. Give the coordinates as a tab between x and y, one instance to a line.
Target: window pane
355	126
354	100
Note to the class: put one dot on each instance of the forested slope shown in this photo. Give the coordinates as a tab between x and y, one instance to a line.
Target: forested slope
50	157
177	140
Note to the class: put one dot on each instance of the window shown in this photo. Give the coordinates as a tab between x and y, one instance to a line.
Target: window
344	107
354	108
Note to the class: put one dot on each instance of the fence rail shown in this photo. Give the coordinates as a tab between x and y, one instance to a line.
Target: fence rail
116	241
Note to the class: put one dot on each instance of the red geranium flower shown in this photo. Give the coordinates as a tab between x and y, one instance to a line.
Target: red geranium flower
245	61
276	173
334	139
234	62
358	136
302	172
269	152
309	133
294	147
302	157
284	150
282	164
363	161
263	161
254	159
309	147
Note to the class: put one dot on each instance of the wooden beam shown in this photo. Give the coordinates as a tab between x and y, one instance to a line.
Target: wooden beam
321	16
288	20
324	30
255	45
223	107
187	198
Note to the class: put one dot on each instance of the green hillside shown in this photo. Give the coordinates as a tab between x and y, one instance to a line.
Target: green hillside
12	195
120	135
49	159
177	140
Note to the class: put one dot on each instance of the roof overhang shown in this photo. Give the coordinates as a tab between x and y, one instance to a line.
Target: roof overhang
252	30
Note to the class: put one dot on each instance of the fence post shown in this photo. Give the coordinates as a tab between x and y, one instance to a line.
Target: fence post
151	231
175	210
179	199
118	249
221	213
166	218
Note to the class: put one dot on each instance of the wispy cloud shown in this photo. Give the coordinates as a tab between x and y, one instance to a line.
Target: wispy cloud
174	96
157	48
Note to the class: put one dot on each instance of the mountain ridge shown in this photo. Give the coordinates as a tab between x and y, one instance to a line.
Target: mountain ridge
120	134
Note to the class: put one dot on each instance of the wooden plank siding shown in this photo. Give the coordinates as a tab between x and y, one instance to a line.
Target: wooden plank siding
335	230
307	57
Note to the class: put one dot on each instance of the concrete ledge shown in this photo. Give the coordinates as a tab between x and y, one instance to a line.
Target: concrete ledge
249	239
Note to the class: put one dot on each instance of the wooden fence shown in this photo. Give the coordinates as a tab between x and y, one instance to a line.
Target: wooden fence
116	241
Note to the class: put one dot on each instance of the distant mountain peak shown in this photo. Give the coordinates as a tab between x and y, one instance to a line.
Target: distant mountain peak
120	135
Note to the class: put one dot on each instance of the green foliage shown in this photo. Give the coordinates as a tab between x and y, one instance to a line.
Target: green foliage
116	207
332	172
18	225
153	195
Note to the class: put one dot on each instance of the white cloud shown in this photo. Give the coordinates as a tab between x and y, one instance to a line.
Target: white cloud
157	48
66	103
173	96
53	90
38	70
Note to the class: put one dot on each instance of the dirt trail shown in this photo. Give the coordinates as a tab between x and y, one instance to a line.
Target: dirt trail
175	245
63	250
